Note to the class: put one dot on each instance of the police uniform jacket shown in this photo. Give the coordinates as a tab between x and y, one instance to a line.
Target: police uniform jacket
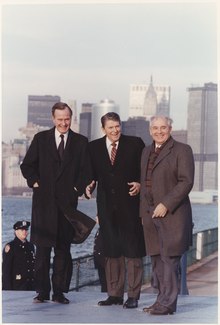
18	266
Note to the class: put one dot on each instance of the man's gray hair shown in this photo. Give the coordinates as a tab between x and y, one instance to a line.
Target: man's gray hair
166	118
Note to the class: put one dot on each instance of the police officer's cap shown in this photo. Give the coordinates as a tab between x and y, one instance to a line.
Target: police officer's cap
21	225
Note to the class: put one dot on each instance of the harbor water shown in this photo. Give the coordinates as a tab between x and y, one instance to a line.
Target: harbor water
205	216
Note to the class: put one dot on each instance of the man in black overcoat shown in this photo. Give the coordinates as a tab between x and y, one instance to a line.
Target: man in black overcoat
116	169
55	167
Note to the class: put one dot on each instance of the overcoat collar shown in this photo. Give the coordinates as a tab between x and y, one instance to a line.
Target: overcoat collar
164	152
52	144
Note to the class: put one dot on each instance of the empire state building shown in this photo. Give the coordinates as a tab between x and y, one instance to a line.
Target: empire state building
146	100
150	101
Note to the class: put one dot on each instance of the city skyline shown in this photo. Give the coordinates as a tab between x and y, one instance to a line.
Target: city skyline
91	51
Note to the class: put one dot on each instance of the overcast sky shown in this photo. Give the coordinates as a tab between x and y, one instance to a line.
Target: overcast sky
88	51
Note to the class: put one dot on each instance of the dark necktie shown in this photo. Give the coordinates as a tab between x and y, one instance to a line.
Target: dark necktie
61	147
157	149
113	153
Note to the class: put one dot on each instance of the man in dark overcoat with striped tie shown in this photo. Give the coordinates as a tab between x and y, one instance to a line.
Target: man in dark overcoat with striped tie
116	169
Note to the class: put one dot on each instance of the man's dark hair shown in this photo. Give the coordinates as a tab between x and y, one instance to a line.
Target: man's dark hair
110	116
61	106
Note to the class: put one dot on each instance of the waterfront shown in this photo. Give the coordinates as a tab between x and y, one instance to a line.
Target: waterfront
19	208
205	216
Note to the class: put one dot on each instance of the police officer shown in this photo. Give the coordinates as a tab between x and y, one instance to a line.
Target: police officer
18	260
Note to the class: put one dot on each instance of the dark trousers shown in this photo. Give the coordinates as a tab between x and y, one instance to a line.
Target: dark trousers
62	262
165	270
102	278
115	270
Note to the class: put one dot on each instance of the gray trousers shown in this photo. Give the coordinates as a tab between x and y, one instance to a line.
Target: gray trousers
165	270
115	269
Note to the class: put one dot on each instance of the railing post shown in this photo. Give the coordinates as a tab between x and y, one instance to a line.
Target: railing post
199	245
77	274
183	282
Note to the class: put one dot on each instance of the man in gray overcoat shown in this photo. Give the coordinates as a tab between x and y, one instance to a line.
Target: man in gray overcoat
167	175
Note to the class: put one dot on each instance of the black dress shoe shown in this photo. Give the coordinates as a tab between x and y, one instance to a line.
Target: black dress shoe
131	303
160	310
60	298
41	298
111	301
149	308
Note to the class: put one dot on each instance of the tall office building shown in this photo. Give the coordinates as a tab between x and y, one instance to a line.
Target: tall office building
74	125
147	100
202	135
139	127
39	109
86	108
85	120
98	110
180	135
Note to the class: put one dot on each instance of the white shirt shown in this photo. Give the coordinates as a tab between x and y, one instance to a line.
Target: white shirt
109	146
58	138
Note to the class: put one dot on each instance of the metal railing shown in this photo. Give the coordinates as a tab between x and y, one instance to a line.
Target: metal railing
204	244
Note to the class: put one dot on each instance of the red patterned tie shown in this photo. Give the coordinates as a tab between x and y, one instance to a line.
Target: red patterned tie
113	153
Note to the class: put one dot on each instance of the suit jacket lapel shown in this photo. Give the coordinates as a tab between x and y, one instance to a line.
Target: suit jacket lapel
164	152
104	150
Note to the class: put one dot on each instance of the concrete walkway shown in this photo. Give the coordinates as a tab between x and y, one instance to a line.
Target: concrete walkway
199	307
202	277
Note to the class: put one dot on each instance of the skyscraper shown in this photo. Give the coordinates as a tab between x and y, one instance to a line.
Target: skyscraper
74	125
98	110
139	127
39	109
202	135
150	101
147	100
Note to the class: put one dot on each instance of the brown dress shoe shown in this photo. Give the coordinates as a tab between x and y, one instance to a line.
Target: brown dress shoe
149	308
160	310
